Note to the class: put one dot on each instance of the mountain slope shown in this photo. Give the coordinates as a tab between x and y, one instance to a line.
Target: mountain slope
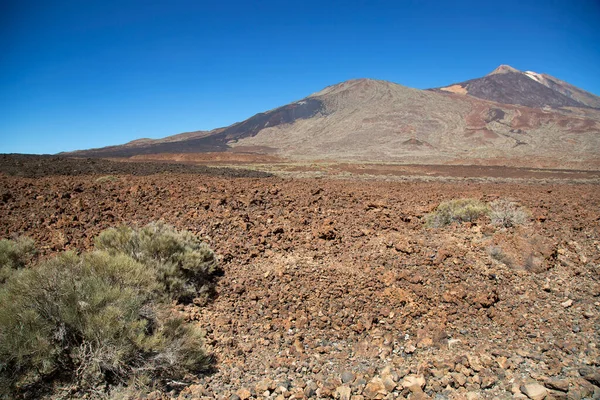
510	86
379	121
369	120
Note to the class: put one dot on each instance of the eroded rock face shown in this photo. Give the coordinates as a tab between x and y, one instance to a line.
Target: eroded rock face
382	303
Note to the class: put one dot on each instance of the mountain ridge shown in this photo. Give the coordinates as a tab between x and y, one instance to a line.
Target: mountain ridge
367	120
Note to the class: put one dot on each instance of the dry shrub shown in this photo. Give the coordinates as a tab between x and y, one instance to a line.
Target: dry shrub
499	255
15	254
185	266
508	213
460	210
102	318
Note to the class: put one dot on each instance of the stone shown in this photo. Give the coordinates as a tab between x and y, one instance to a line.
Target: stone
264	385
347	377
588	314
374	388
567	304
419	395
534	391
409	349
411	382
488	378
557	384
388	382
310	390
193	391
244	394
474	363
459	378
591	375
343	393
297	395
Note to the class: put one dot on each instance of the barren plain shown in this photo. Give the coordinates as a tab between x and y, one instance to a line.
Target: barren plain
336	288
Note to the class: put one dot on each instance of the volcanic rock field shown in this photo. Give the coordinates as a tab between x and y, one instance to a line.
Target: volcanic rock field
336	288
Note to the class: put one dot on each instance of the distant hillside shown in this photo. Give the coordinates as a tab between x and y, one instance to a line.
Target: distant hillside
505	118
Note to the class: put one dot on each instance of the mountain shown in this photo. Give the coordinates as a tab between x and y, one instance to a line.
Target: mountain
377	121
508	85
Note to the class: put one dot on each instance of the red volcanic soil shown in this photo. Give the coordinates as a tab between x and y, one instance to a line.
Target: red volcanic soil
334	287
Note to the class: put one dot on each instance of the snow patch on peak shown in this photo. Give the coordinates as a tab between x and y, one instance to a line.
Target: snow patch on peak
535	76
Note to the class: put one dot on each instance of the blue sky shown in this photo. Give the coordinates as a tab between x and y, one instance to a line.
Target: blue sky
82	74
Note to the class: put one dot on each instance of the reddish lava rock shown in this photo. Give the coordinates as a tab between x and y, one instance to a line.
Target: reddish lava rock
316	284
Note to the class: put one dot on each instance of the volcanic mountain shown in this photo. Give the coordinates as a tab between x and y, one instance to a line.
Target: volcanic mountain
505	118
508	85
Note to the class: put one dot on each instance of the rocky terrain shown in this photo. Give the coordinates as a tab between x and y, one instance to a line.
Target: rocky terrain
337	289
509	117
31	166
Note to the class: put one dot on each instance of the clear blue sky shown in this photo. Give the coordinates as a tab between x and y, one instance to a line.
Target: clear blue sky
81	74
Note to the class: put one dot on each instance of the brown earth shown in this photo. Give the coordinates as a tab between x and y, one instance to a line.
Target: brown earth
480	169
335	288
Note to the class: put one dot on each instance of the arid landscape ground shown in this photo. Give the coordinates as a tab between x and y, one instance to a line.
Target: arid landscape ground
333	285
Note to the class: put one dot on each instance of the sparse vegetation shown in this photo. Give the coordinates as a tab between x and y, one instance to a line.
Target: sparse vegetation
107	178
507	213
103	318
15	254
185	265
460	210
499	255
504	213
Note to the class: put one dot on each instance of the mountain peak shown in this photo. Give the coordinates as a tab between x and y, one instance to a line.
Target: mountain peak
508	85
503	69
360	84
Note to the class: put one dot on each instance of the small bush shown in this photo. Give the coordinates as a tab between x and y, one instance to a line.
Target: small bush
507	213
15	255
101	319
107	178
185	265
461	210
499	255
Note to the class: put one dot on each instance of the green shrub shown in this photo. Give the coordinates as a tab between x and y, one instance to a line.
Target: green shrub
185	265
507	213
461	210
15	255
100	319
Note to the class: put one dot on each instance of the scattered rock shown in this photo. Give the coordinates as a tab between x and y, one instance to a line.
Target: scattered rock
534	391
244	393
296	313
343	393
347	377
557	384
374	388
567	303
591	375
413	382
